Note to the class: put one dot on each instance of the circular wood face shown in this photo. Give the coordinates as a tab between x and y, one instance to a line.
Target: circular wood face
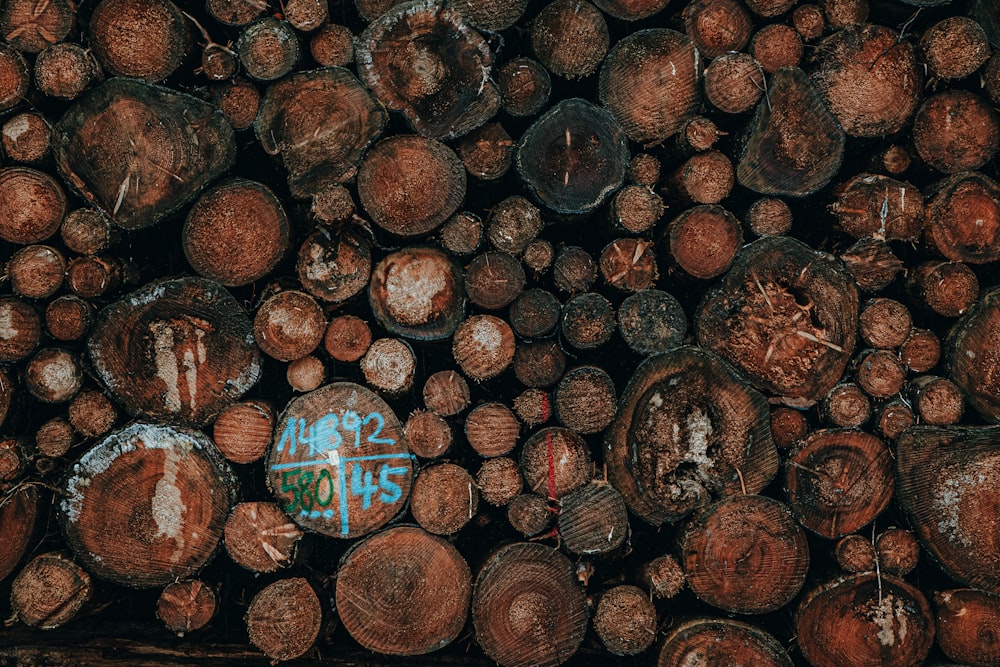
176	350
403	592
340	464
147	505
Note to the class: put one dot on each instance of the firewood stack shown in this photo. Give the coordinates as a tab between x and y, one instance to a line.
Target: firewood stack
614	332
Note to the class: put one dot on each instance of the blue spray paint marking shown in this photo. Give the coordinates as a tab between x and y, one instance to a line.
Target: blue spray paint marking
324	435
346	459
342	478
323	438
388	491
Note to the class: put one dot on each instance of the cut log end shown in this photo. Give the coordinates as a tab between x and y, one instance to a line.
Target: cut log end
160	530
492	429
444	499
345	494
259	537
186	606
284	618
625	620
722	641
421	614
758	534
50	591
527	607
890	620
839	481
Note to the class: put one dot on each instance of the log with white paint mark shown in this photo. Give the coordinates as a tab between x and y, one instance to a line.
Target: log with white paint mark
947	481
147	504
177	350
967	620
868	619
416	292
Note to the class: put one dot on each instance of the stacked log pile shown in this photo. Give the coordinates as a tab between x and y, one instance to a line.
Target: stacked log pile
494	331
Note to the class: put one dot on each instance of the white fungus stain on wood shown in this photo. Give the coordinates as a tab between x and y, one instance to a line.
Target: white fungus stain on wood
167	505
411	289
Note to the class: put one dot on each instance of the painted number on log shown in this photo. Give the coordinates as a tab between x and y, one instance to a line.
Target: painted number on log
345	471
313	490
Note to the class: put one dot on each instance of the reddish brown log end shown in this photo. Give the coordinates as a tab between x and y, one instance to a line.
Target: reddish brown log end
410	184
947	485
704	240
867	619
722	642
662	477
967	620
259	537
651	107
795	145
839	480
424	60
146	39
50	591
786	315
186	606
625	620
347	338
527	607
236	233
963	219
492	429
396	614
242	431
745	554
855	553
166	523
955	131
570	38
284	619
428	434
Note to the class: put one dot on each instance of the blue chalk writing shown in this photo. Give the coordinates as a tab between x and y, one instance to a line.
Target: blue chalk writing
324	434
311	493
361	485
320	487
391	492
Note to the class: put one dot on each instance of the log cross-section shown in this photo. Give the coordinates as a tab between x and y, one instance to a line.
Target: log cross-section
687	430
340	465
158	148
319	124
527	607
948	482
403	592
177	350
424	60
795	145
147	504
786	315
